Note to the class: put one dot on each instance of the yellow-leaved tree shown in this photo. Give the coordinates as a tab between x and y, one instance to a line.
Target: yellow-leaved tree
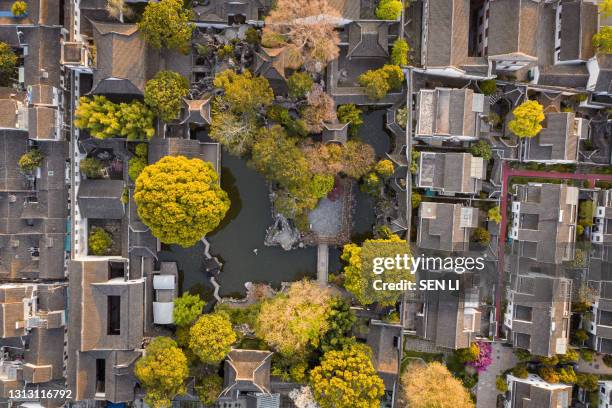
347	379
528	117
289	322
162	372
180	200
432	385
359	272
211	337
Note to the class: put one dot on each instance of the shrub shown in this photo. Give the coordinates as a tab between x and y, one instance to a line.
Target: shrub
494	214
8	61
501	384
31	160
384	168
91	167
415	199
588	382
401	117
135	166
566	375
488	86
483	359
549	375
99	241
587	355
520	371
522	354
607	359
468	354
482	149
19	8
142	149
208	389
251	36
580	336
350	114
482	236
570	356
399	52
389	10
299	84
379	82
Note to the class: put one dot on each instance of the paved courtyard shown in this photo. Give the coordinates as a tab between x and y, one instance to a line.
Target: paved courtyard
503	359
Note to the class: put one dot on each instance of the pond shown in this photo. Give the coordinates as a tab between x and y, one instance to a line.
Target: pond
244	228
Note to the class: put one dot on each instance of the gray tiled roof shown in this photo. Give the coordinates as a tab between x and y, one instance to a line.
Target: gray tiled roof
445	227
551	208
451	172
368	39
579	21
42	63
512	25
121	56
557	140
447	33
101	199
247	371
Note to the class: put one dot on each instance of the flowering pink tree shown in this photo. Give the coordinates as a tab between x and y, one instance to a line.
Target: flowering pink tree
483	361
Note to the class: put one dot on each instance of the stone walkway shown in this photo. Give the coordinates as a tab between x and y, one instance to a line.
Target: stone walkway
322	263
503	359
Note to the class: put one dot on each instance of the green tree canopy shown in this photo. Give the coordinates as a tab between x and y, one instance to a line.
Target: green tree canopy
91	167
379	82
341	320
211	337
290	322
605	8
167	24
299	84
244	93
432	385
347	379
359	271
399	52
162	372
528	118
180	200
104	119
384	168
8	62
482	149
236	132
31	160
350	114
164	94
603	40
389	9
488	86
187	308
99	241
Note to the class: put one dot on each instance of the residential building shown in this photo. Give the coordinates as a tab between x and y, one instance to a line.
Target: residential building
449	114
33	210
121	59
558	140
450	319
32	327
445	226
602	230
451	173
605	394
463	38
385	340
106	328
544	222
538	312
533	391
576	23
